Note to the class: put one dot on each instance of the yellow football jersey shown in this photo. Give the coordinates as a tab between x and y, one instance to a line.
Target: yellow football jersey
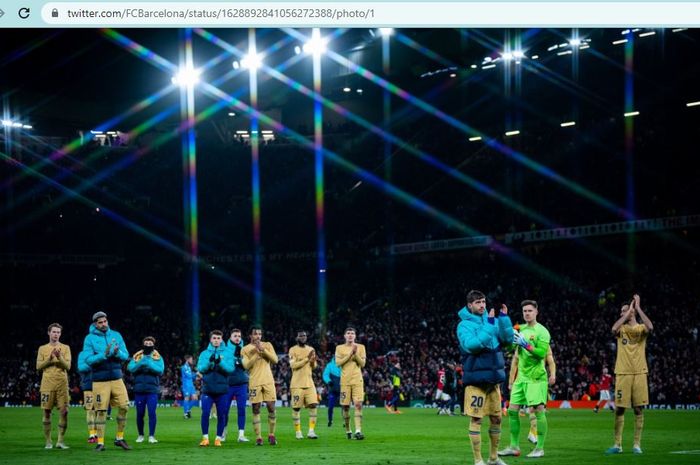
631	350
257	366
301	367
54	370
350	365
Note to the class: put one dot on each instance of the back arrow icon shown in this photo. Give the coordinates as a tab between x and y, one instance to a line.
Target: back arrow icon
2	13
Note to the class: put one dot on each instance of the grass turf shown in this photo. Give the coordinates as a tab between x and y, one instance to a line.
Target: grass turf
419	436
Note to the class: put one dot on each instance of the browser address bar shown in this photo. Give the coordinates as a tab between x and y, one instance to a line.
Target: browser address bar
373	14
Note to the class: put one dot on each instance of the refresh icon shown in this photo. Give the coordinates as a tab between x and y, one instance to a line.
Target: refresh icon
24	12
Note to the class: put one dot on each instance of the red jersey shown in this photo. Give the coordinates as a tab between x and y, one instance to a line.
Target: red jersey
441	379
605	382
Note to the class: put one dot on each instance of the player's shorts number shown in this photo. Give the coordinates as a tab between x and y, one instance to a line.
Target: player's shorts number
98	398
44	398
619	394
296	399
343	395
253	392
88	399
477	401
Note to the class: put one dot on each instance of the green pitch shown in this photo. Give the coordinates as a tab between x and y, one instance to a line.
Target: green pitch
418	436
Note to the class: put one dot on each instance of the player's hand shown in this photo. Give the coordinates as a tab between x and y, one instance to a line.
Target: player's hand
108	349
492	313
312	355
521	341
504	309
354	348
510	387
116	349
552	379
635	298
212	358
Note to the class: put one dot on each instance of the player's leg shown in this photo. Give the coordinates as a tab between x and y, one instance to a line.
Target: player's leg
517	399
345	405
297	403
492	408
207	402
151	405
46	422
312	405
120	399
640	398
48	400
241	394
88	402
256	420
227	408
62	400
357	396
623	400
101	392
332	401
221	401
475	438
532	434
271	421
140	402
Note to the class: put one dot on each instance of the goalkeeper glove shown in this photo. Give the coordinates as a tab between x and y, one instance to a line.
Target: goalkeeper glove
522	342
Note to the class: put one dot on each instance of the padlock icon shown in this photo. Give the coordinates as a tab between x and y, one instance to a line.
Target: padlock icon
54	13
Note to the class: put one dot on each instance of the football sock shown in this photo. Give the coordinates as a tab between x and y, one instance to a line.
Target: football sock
475	438
514	424
495	436
296	416
541	428
619	426
313	413
256	425
638	426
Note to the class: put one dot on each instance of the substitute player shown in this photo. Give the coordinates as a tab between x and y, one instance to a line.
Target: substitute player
147	366
215	364
481	338
631	389
351	358
107	352
88	398
189	393
302	360
53	360
258	357
530	386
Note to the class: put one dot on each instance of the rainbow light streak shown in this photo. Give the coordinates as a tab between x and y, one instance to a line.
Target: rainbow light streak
319	185
629	145
255	181
189	154
404	39
140	51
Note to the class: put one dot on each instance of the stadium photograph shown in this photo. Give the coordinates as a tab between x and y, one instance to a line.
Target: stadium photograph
350	246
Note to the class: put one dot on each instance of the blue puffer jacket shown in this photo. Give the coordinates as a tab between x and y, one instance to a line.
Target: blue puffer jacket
239	375
331	376
480	341
215	375
147	370
84	371
105	368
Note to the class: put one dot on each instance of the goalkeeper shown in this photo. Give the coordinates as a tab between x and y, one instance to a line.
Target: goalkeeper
530	386
215	364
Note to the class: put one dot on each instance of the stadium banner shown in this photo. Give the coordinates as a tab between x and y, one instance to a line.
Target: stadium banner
591	230
434	246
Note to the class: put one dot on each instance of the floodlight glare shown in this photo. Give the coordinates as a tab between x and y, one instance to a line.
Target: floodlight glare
252	61
518	54
6	122
507	56
297	50
346	89
386	31
575	42
186	77
316	45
